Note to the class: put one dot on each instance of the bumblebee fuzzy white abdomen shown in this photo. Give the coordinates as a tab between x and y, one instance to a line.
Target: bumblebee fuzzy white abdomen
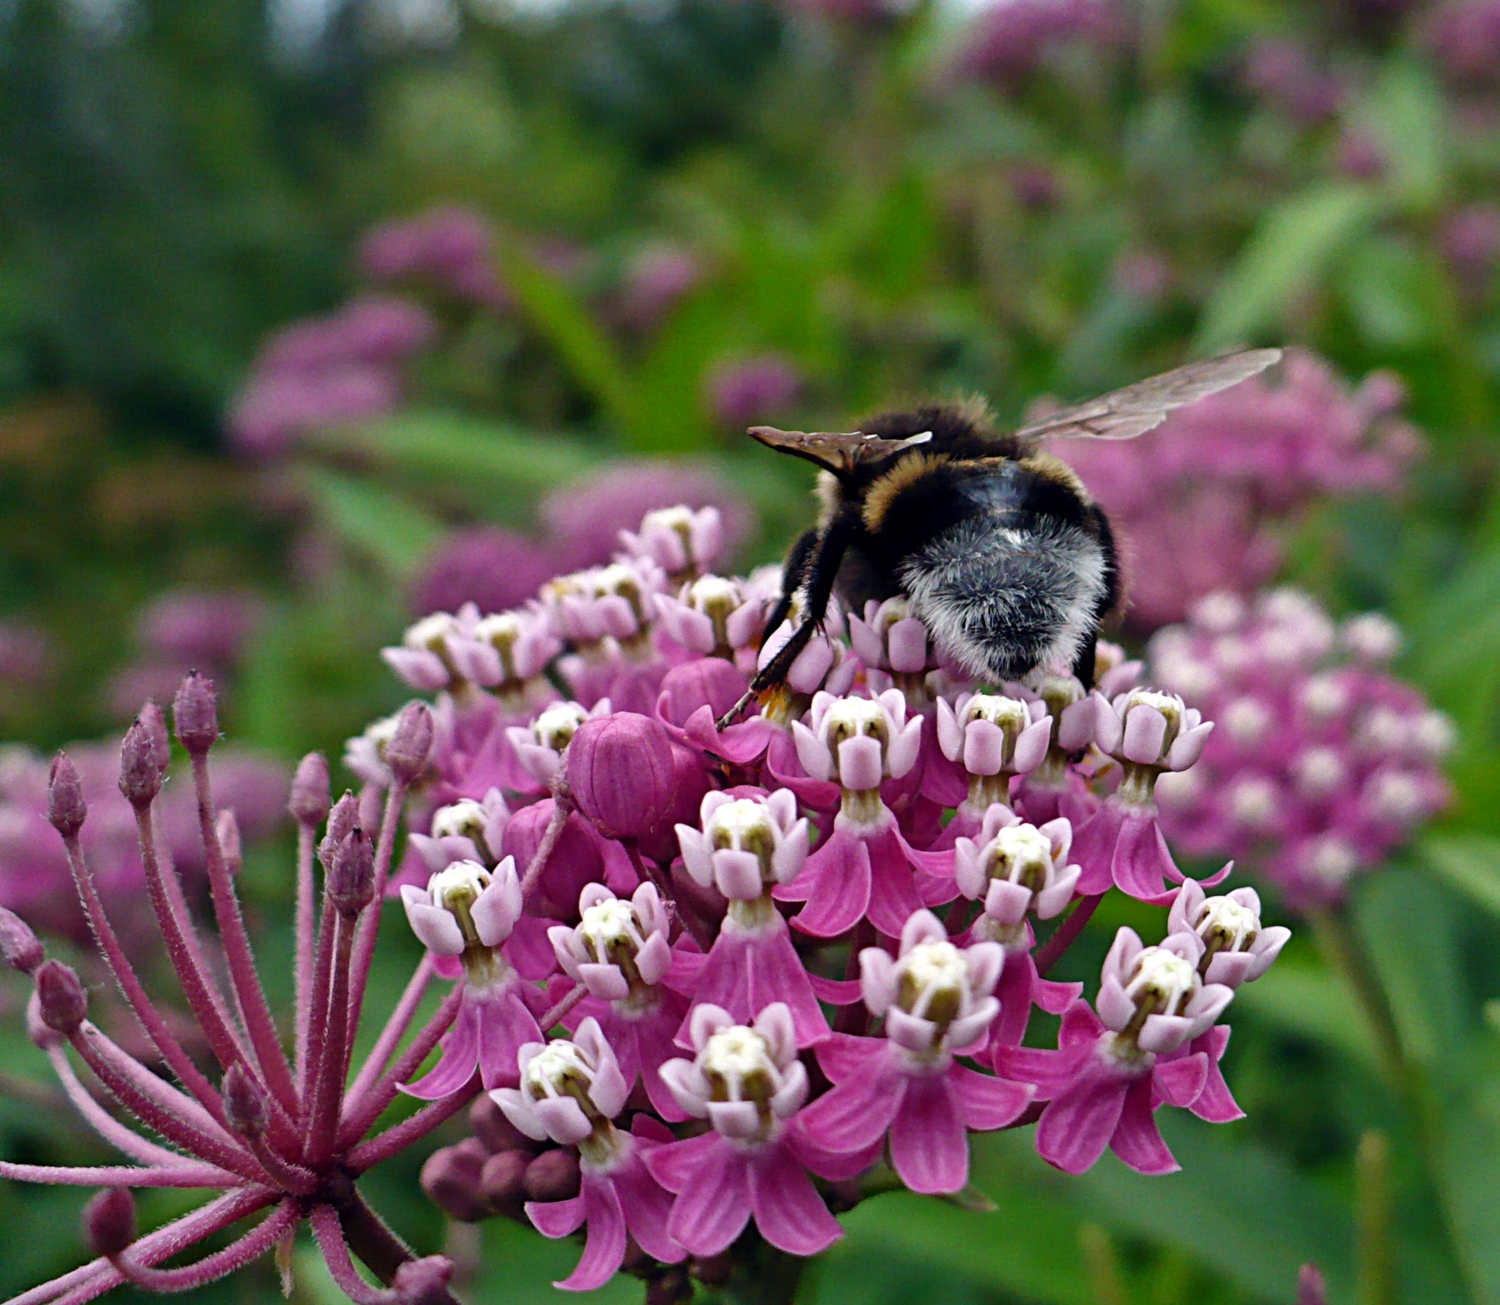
1005	599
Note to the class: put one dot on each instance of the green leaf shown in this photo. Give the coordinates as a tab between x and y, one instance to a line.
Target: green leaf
383	525
1470	1161
562	318
1406	113
1238	1209
1469	863
1388	289
1029	1247
1294	244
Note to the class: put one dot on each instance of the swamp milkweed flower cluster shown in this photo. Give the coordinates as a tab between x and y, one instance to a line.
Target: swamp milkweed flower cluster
709	986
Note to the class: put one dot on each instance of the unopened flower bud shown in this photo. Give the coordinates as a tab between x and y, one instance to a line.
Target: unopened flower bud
66	808
552	1176
155	725
620	770
502	1180
351	878
141	764
195	713
109	1222
20	947
341	822
411	746
63	1002
244	1102
451	1180
308	801
424	1281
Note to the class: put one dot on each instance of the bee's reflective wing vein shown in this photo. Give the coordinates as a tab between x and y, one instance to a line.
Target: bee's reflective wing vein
1137	408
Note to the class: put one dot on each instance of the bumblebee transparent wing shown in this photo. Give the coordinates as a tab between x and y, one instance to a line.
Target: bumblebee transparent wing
1124	414
837	451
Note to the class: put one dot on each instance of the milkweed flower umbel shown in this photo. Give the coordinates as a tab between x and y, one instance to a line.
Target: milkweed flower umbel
696	980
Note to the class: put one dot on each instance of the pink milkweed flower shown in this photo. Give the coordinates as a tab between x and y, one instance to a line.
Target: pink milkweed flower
897	651
1111	1070
1147	732
508	652
467	912
430	656
823	666
541	746
864	867
1237	948
935	998
747	1082
683	542
621	773
1054	788
619	951
714	616
466	830
570	1092
1015	869
992	738
748	845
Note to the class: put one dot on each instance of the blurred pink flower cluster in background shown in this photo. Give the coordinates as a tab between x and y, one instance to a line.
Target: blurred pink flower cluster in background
1199	503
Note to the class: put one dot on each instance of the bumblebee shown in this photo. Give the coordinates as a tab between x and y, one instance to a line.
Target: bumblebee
995	543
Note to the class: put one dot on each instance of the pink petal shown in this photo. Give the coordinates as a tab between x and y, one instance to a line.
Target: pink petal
459	1059
835	884
674	1164
1078	1124
604	1249
557	1218
986	1102
504	1026
714	1205
1137	1141
1080	1026
929	1147
859	763
788	1210
907	641
1145	732
856	1113
844	1055
1181	1082
1094	848
1032	745
984	748
648	1207
893	894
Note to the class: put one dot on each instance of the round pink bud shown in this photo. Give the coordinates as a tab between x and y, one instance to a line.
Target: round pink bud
20	947
109	1222
195	713
451	1179
621	773
63	1002
308	801
66	808
410	747
141	765
341	822
552	1176
502	1178
351	878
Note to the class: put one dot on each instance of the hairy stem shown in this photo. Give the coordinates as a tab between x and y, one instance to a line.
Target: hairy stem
219	1264
395	1028
412	1129
307	837
369	925
243	976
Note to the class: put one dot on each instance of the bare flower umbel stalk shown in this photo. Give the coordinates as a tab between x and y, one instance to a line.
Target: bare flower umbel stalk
279	1137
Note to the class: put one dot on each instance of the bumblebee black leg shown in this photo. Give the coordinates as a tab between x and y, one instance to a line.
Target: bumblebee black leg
820	567
1083	666
793	576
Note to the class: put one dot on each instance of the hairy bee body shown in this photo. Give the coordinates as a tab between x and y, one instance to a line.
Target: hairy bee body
996	544
999	550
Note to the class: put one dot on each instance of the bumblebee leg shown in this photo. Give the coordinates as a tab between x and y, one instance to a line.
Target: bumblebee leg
793	576
821	558
1083	665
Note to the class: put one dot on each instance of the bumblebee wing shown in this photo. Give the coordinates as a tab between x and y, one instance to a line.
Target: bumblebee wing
1137	408
835	450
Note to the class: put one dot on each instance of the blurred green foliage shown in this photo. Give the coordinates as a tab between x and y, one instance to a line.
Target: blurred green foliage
176	181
